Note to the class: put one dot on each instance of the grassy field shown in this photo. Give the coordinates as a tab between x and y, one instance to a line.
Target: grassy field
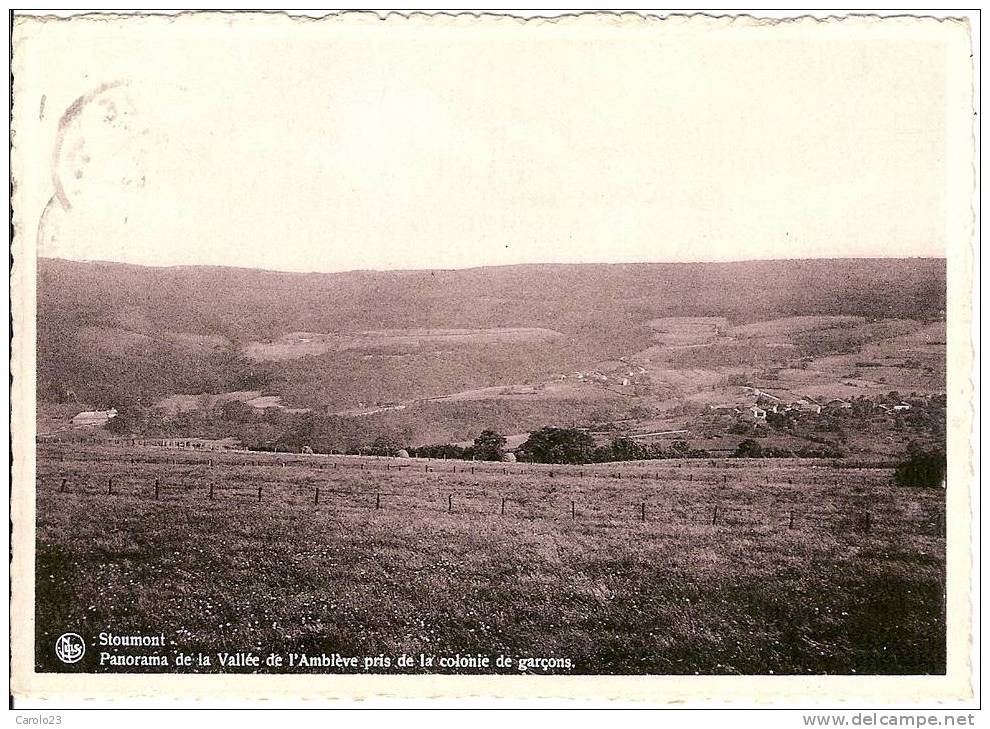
804	568
300	344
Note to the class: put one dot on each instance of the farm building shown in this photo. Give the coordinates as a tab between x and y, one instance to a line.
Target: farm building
763	394
838	405
758	413
93	418
724	409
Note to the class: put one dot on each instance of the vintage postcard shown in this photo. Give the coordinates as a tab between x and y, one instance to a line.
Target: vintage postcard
441	355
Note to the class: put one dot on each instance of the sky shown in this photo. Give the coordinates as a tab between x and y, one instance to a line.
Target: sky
366	144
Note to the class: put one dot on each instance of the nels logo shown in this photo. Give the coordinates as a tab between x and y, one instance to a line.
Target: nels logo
70	647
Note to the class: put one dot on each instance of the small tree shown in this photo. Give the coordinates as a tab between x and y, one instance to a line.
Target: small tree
626	449
489	446
558	445
749	448
386	444
925	469
130	420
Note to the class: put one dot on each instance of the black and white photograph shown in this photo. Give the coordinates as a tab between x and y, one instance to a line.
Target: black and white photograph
389	345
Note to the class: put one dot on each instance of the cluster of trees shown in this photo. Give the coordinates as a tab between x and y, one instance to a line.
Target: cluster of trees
750	448
572	445
441	451
559	445
488	446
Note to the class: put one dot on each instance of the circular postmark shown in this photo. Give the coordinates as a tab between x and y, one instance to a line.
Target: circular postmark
70	647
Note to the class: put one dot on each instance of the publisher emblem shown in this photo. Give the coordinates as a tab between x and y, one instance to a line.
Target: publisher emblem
70	647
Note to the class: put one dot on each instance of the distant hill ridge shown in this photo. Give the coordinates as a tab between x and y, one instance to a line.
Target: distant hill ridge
198	319
268	304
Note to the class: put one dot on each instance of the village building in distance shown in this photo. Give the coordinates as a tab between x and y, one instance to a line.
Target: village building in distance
93	418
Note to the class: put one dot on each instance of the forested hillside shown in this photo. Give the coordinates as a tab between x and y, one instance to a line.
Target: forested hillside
111	333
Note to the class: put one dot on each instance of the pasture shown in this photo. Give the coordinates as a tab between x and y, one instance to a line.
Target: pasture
660	567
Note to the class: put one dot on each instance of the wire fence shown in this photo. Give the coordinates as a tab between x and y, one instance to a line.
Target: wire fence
494	500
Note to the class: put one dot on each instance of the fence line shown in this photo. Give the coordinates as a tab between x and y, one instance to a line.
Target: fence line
654	476
718	515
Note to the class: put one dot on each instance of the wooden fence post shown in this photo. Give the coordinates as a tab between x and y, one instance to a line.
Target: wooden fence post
110	487
378	501
790	523
715	515
573	511
866	523
316	499
450	503
642	511
503	506
259	494
156	489
62	489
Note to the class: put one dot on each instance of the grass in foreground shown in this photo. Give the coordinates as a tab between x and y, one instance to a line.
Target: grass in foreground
616	594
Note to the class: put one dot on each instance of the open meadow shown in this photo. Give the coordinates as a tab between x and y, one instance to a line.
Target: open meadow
728	566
